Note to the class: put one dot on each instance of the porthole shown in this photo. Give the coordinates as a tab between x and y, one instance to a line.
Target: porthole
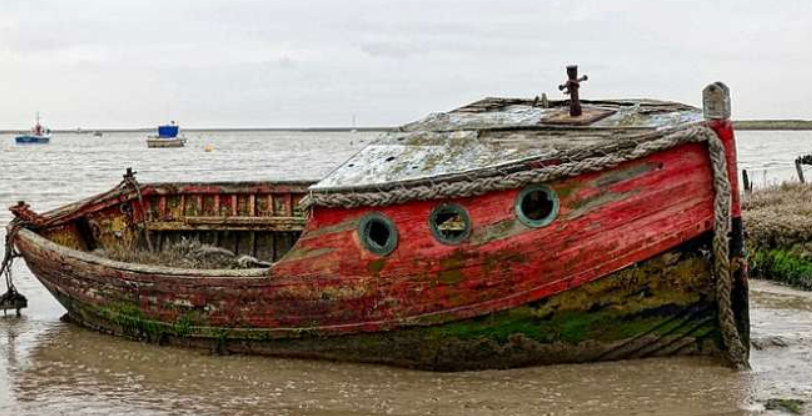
537	206
378	233
450	223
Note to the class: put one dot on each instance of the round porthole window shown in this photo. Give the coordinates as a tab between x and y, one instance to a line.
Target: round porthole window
378	233
537	206
450	223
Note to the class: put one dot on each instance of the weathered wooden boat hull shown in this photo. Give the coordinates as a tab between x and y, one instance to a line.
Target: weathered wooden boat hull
165	143
659	307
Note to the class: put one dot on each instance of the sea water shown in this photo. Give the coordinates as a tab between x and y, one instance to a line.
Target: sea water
48	367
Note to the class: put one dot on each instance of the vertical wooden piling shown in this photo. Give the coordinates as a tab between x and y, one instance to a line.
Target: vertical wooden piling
748	186
800	169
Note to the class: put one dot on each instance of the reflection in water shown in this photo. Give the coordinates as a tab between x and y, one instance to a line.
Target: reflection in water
51	368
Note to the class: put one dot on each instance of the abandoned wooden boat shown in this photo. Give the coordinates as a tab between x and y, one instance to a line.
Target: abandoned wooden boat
508	232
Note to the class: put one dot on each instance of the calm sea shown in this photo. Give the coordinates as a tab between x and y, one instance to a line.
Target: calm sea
52	368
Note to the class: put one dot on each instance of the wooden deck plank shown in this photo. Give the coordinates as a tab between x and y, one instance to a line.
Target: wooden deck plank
229	223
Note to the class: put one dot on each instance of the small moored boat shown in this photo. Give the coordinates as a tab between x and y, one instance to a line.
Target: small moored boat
508	232
38	135
167	137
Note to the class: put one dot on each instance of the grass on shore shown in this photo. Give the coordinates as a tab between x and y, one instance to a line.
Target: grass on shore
778	233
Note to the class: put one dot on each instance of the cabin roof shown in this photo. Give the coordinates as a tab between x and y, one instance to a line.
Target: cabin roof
497	133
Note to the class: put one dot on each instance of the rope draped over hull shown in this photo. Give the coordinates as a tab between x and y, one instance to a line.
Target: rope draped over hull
736	350
11	299
658	142
435	189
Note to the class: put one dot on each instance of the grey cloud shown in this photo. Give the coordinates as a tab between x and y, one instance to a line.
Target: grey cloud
316	62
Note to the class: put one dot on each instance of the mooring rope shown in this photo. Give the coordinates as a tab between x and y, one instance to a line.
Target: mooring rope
9	255
736	350
661	141
12	299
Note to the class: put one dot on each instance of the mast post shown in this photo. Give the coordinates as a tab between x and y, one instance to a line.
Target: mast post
571	87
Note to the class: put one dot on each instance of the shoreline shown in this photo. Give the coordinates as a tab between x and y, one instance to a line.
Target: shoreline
741	125
772	125
221	129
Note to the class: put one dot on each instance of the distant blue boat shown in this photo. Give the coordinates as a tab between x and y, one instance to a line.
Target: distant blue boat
167	137
38	135
32	139
168	131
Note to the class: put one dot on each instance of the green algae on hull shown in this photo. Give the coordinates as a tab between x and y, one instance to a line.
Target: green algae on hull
662	306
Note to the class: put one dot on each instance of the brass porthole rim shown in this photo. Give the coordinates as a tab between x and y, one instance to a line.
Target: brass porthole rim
459	209
363	233
541	222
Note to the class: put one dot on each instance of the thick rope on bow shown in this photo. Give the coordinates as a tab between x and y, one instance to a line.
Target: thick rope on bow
736	350
480	186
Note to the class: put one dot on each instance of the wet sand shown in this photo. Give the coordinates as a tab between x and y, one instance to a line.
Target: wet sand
48	367
56	368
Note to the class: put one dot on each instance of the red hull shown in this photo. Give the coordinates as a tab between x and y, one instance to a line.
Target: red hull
328	282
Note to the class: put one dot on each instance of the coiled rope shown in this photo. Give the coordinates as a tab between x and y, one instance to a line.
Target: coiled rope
660	141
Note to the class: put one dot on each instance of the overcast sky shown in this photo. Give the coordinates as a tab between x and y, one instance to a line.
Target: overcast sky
232	63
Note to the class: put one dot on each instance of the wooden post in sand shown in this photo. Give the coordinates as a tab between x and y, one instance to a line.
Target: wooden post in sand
748	186
800	169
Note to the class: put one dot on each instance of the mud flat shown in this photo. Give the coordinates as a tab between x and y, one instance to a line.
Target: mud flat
778	230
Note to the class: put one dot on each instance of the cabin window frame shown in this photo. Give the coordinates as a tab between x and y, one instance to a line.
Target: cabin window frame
549	218
457	209
365	228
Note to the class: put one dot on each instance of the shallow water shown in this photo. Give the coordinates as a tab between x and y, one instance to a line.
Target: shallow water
51	368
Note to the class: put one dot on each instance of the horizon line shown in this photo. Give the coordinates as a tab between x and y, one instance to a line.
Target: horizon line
202	129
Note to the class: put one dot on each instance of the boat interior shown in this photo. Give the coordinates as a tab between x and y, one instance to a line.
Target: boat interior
257	219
